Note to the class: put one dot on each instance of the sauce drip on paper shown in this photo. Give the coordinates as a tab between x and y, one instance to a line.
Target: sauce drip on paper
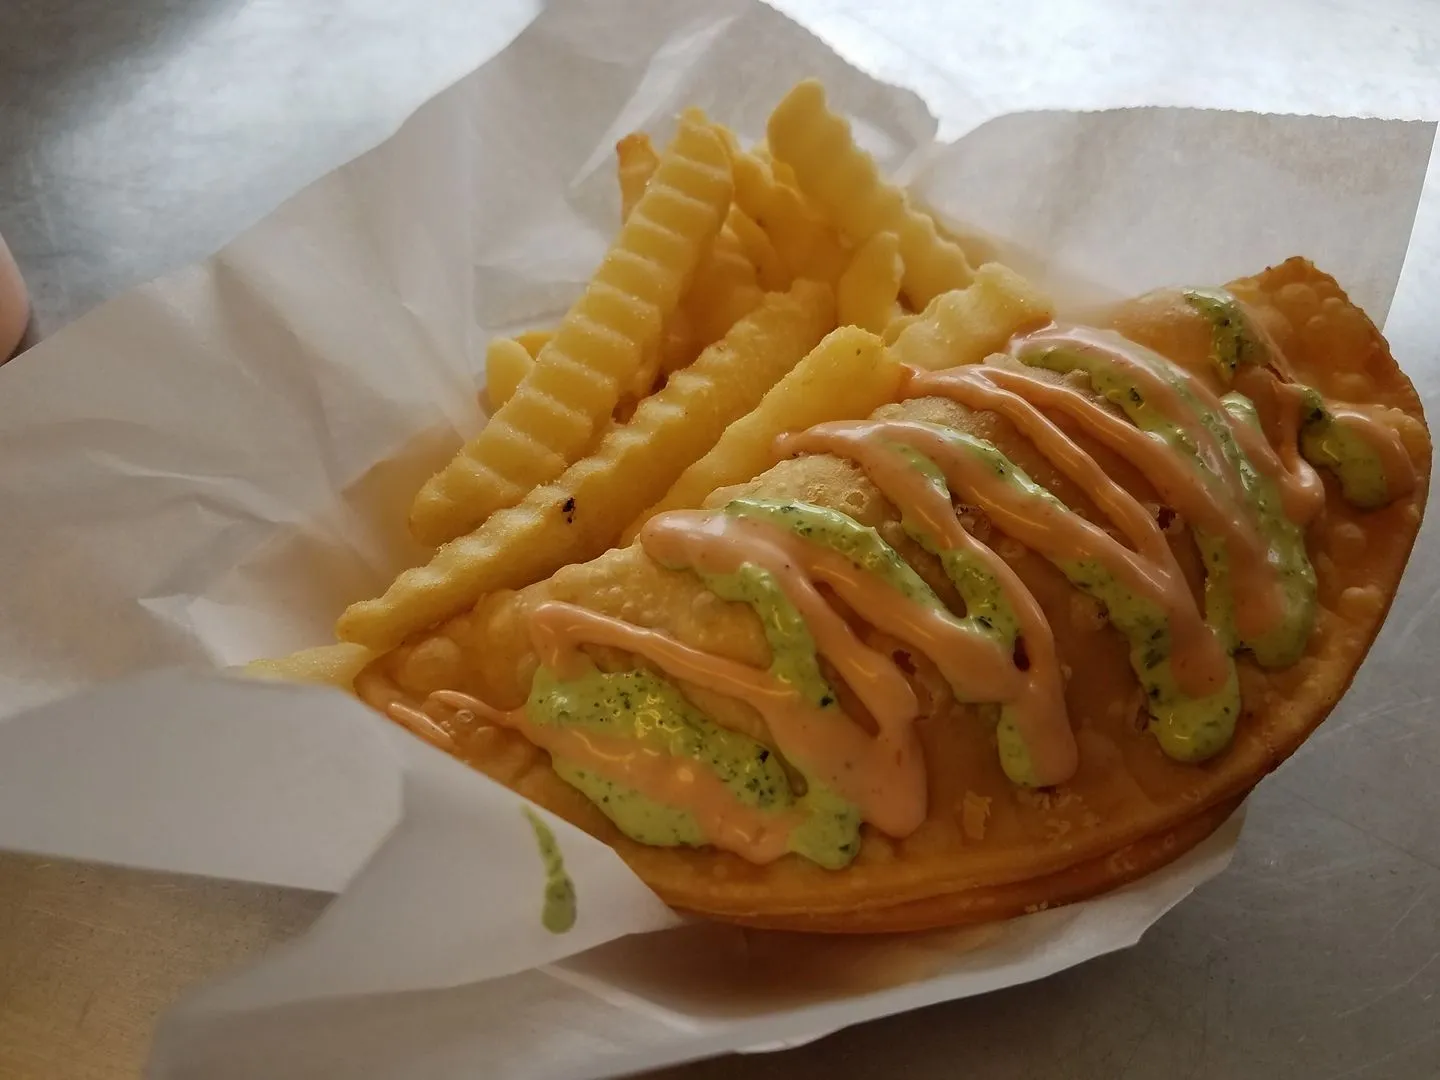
558	912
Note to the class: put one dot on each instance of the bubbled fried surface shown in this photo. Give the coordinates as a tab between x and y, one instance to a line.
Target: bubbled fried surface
987	849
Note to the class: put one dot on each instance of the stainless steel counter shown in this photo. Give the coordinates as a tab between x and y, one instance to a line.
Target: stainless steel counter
135	137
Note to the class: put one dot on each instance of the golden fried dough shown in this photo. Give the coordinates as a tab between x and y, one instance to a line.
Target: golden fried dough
987	848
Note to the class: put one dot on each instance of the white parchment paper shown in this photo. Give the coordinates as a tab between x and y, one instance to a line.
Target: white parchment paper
209	468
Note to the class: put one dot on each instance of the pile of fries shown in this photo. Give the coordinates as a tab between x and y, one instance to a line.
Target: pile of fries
749	293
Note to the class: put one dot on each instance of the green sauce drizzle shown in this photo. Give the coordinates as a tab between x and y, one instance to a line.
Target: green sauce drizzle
986	609
987	612
642	706
1325	442
1234	342
558	913
1328	443
1285	643
648	709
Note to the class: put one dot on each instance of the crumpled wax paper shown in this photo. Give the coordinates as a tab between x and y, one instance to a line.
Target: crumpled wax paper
208	468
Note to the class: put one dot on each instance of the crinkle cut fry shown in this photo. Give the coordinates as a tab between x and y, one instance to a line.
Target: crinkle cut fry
724	290
582	513
593	357
851	373
966	325
770	269
507	362
636	162
324	665
846	377
739	265
843	180
869	290
804	241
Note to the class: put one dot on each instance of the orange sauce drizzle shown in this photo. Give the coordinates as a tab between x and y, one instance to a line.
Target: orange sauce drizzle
1301	490
1040	701
723	820
1198	656
883	773
1367	422
1274	380
1400	476
1211	499
418	721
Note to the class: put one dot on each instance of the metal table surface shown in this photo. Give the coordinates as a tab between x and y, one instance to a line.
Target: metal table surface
136	137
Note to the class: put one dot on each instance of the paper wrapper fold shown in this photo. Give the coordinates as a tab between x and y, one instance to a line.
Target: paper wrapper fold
207	469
